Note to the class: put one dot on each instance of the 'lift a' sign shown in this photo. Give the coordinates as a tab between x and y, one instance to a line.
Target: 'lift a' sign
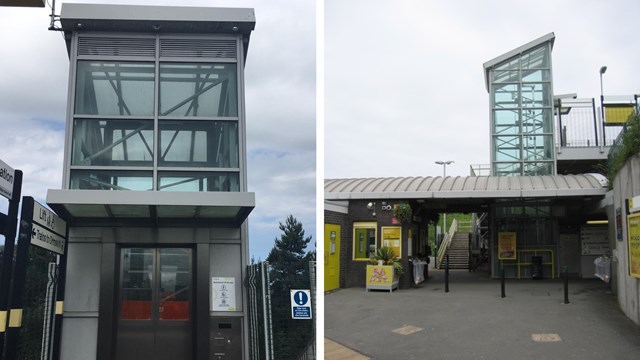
46	229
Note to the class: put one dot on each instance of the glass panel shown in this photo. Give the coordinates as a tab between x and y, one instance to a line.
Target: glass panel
137	281
536	121
114	88
535	75
198	90
175	284
506	96
535	59
199	143
511	64
507	148
506	122
112	142
111	180
536	95
538	168
537	147
364	240
505	76
217	181
507	169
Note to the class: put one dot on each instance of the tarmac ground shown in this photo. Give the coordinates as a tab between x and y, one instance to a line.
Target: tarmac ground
473	321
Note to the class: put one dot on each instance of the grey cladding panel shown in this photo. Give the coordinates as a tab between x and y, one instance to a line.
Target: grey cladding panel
83	277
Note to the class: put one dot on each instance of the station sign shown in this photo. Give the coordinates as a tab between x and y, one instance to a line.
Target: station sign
45	229
301	304
7	174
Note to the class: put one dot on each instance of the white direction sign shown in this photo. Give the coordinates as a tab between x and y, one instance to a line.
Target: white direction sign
301	304
46	239
6	180
48	219
48	229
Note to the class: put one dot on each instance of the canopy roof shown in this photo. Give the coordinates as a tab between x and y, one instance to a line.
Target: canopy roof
466	187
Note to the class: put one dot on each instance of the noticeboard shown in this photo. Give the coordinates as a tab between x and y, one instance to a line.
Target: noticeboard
633	233
507	245
391	238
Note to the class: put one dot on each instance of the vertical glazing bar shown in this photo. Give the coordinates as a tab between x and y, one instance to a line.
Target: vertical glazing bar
595	120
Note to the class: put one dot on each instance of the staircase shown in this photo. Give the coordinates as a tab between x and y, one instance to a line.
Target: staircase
459	251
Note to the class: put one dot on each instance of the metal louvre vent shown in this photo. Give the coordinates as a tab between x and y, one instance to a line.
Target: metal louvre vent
109	46
198	48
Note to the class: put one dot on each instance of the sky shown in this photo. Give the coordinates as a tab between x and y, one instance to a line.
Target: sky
280	85
404	80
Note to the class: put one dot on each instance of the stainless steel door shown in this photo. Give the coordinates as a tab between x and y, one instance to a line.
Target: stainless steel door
155	311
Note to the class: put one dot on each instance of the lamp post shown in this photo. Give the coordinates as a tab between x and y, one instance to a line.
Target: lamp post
603	69
444	175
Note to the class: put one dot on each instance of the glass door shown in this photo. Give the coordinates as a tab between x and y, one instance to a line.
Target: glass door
155	300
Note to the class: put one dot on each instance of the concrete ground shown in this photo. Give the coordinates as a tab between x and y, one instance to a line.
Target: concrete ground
472	321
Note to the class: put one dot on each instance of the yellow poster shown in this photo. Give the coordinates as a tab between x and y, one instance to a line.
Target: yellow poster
391	238
506	245
633	232
379	274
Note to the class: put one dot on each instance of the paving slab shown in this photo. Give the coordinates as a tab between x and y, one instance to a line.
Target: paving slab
472	321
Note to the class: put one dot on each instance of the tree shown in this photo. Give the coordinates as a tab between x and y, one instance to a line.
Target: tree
289	263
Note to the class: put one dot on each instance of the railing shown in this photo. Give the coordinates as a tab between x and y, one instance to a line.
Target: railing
447	241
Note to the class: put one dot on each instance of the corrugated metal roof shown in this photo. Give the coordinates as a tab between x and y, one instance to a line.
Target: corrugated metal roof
466	187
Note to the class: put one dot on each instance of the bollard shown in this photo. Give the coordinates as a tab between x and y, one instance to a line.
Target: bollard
446	276
565	269
502	294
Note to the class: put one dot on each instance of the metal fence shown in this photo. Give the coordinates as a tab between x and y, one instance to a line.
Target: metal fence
35	333
273	333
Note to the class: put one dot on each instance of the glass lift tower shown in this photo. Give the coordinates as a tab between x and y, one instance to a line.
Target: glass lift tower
154	185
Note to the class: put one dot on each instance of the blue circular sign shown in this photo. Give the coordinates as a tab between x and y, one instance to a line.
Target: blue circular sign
300	297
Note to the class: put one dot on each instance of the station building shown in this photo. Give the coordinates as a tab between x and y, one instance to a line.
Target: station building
542	194
155	182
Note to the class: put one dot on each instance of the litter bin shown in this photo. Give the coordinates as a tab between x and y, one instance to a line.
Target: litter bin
536	267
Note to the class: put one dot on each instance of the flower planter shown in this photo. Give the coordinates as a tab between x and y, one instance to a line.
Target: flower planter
381	277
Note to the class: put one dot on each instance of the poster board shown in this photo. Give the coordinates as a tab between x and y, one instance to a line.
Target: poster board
633	234
507	245
391	237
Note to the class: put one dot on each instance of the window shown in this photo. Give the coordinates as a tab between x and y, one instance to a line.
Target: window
193	181
158	122
364	240
114	88
112	142
198	90
199	143
111	180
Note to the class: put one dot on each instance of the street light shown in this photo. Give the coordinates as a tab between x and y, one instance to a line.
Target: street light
444	175
603	69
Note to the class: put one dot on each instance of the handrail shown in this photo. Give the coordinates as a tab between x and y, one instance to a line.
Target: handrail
447	240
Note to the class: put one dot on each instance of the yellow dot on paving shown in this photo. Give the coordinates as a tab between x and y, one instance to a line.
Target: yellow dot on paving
545	337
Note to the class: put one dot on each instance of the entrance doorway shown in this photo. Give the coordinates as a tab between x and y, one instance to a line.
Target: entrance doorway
331	257
155	318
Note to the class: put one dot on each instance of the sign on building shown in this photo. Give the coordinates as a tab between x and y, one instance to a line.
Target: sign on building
633	232
7	174
223	294
301	304
45	229
507	245
594	240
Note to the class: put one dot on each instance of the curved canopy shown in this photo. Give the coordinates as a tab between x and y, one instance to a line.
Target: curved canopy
465	187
